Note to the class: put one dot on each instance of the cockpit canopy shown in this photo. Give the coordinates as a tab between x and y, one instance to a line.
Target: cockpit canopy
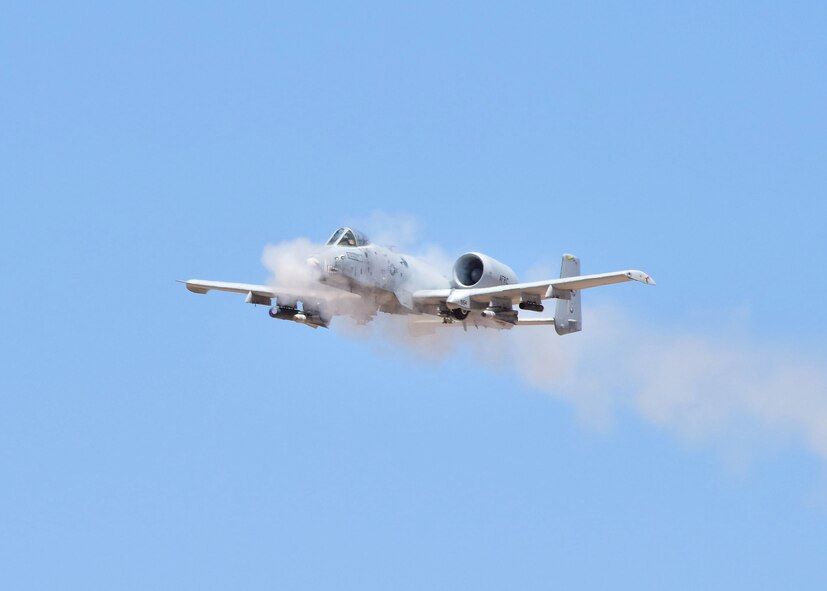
348	237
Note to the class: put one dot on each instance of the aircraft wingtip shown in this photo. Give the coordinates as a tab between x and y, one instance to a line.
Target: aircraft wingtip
641	276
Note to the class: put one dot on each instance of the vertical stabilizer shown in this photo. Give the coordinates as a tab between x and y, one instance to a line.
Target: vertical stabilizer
568	317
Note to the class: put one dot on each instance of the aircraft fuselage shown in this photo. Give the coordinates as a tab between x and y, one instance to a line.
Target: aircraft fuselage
379	273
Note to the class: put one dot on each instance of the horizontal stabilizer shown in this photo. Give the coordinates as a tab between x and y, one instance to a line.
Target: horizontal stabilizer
535	321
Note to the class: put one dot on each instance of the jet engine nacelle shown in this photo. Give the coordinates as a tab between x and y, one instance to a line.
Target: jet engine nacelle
474	269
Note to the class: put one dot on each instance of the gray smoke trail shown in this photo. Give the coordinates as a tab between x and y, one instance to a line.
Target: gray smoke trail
706	390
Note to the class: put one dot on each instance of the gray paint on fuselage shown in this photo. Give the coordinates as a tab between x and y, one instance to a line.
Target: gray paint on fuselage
386	277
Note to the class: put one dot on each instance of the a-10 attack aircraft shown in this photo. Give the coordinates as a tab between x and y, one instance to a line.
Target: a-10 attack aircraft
351	276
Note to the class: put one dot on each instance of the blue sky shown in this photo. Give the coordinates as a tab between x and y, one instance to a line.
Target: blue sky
150	438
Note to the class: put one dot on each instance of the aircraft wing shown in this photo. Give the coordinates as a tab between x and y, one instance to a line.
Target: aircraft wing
201	286
263	294
535	289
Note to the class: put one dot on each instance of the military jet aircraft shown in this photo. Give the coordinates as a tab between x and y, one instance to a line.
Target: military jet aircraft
351	276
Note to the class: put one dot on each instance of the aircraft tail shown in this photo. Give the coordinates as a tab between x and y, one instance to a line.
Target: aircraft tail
568	316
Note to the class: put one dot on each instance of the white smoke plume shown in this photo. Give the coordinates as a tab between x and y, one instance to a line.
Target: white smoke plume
287	261
705	389
720	391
